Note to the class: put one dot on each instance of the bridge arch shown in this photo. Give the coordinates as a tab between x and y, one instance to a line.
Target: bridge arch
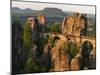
56	38
93	41
87	45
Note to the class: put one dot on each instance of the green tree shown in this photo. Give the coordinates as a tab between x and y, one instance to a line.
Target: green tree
27	41
27	36
29	65
71	48
54	27
34	66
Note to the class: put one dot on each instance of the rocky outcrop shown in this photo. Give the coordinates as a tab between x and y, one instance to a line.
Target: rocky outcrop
59	59
37	24
76	62
85	59
42	19
64	62
33	51
74	24
67	25
41	23
92	59
79	24
47	55
32	22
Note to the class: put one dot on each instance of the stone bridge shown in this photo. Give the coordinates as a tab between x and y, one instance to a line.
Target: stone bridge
78	40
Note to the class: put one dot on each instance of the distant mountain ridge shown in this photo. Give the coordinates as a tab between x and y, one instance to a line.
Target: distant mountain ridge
48	11
18	10
52	12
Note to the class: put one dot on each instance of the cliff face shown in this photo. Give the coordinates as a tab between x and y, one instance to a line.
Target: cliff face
76	62
56	58
74	24
60	60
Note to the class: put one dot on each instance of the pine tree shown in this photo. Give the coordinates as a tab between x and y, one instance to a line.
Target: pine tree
27	41
27	36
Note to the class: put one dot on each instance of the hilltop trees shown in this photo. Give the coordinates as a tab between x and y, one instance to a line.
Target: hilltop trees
53	27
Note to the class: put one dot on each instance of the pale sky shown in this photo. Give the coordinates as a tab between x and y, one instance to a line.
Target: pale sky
64	7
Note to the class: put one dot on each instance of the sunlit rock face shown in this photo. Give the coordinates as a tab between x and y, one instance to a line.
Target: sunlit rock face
42	19
60	60
41	23
37	24
73	24
79	24
65	62
67	25
76	62
32	22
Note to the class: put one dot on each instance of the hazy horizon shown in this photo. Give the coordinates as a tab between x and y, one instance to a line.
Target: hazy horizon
63	7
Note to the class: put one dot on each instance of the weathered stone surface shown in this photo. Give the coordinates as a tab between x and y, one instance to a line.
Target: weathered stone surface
41	23
59	59
92	59
76	62
32	22
65	62
67	25
46	54
73	24
55	59
37	24
42	19
33	51
78	25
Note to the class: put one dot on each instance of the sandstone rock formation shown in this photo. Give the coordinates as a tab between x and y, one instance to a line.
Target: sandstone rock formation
59	59
85	59
76	62
74	24
67	25
42	22
92	59
47	55
33	51
38	23
56	57
64	62
79	24
32	22
42	19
